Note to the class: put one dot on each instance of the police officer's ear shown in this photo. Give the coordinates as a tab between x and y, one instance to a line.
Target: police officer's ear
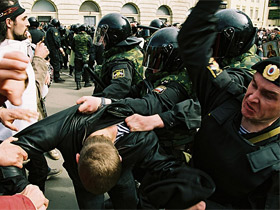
77	157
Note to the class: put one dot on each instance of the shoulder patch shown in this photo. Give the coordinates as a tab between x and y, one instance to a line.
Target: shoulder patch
160	89
118	74
214	68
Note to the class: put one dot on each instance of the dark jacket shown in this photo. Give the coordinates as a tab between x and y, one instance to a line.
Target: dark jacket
67	129
53	39
246	174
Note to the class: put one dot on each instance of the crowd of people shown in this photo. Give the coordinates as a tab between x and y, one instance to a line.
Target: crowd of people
180	117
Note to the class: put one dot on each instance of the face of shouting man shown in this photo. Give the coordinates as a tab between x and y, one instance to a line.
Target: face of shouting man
261	104
17	28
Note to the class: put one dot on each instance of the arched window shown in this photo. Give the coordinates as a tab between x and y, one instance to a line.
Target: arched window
43	6
90	12
44	10
89	6
130	11
163	13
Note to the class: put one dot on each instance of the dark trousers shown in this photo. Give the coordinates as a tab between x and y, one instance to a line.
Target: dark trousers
123	195
79	71
55	62
38	171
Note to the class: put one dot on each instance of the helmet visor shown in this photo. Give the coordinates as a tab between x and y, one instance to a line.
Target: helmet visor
100	34
156	57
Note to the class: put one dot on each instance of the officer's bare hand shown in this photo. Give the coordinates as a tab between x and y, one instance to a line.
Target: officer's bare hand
36	196
138	122
11	154
200	206
8	116
90	104
13	76
41	50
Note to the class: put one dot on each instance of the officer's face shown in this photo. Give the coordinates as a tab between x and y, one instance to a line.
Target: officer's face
19	27
261	103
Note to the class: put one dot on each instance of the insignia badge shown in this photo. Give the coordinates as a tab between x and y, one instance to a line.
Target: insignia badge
118	74
160	89
56	33
214	68
271	72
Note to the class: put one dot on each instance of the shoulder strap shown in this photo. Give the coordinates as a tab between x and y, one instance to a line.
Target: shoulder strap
265	136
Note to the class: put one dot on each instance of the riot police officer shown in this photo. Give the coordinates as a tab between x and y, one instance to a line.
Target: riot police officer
36	34
237	139
122	67
53	41
81	45
164	72
234	45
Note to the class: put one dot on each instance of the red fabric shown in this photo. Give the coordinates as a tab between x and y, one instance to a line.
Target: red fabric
16	202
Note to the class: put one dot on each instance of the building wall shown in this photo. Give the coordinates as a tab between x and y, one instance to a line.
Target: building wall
257	10
67	11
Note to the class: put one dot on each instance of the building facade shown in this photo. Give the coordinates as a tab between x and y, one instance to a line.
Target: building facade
90	11
264	13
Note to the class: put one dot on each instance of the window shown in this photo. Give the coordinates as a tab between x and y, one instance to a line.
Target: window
257	14
163	13
90	20
251	12
130	12
89	7
43	6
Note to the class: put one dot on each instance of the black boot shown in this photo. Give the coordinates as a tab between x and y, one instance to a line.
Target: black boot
71	70
78	85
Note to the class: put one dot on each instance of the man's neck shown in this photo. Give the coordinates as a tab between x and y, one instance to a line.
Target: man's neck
253	126
110	132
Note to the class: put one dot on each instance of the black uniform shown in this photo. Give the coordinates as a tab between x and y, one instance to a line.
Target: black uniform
68	130
53	42
246	174
118	71
36	34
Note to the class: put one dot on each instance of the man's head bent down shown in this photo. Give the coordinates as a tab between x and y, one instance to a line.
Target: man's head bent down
99	164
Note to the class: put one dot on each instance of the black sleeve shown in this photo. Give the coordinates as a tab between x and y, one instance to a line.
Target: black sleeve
195	39
36	139
121	79
187	112
162	99
56	38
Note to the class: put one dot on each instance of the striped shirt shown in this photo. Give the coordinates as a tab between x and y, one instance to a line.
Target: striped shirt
122	130
242	130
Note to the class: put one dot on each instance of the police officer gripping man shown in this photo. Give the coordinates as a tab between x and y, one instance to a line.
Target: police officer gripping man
122	57
238	142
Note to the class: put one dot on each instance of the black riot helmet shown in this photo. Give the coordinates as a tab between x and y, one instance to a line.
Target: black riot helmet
111	30
156	23
236	34
33	22
161	53
55	22
82	27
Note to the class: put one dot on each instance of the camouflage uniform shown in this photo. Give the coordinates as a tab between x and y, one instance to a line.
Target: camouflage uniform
181	112
121	69
245	60
81	46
